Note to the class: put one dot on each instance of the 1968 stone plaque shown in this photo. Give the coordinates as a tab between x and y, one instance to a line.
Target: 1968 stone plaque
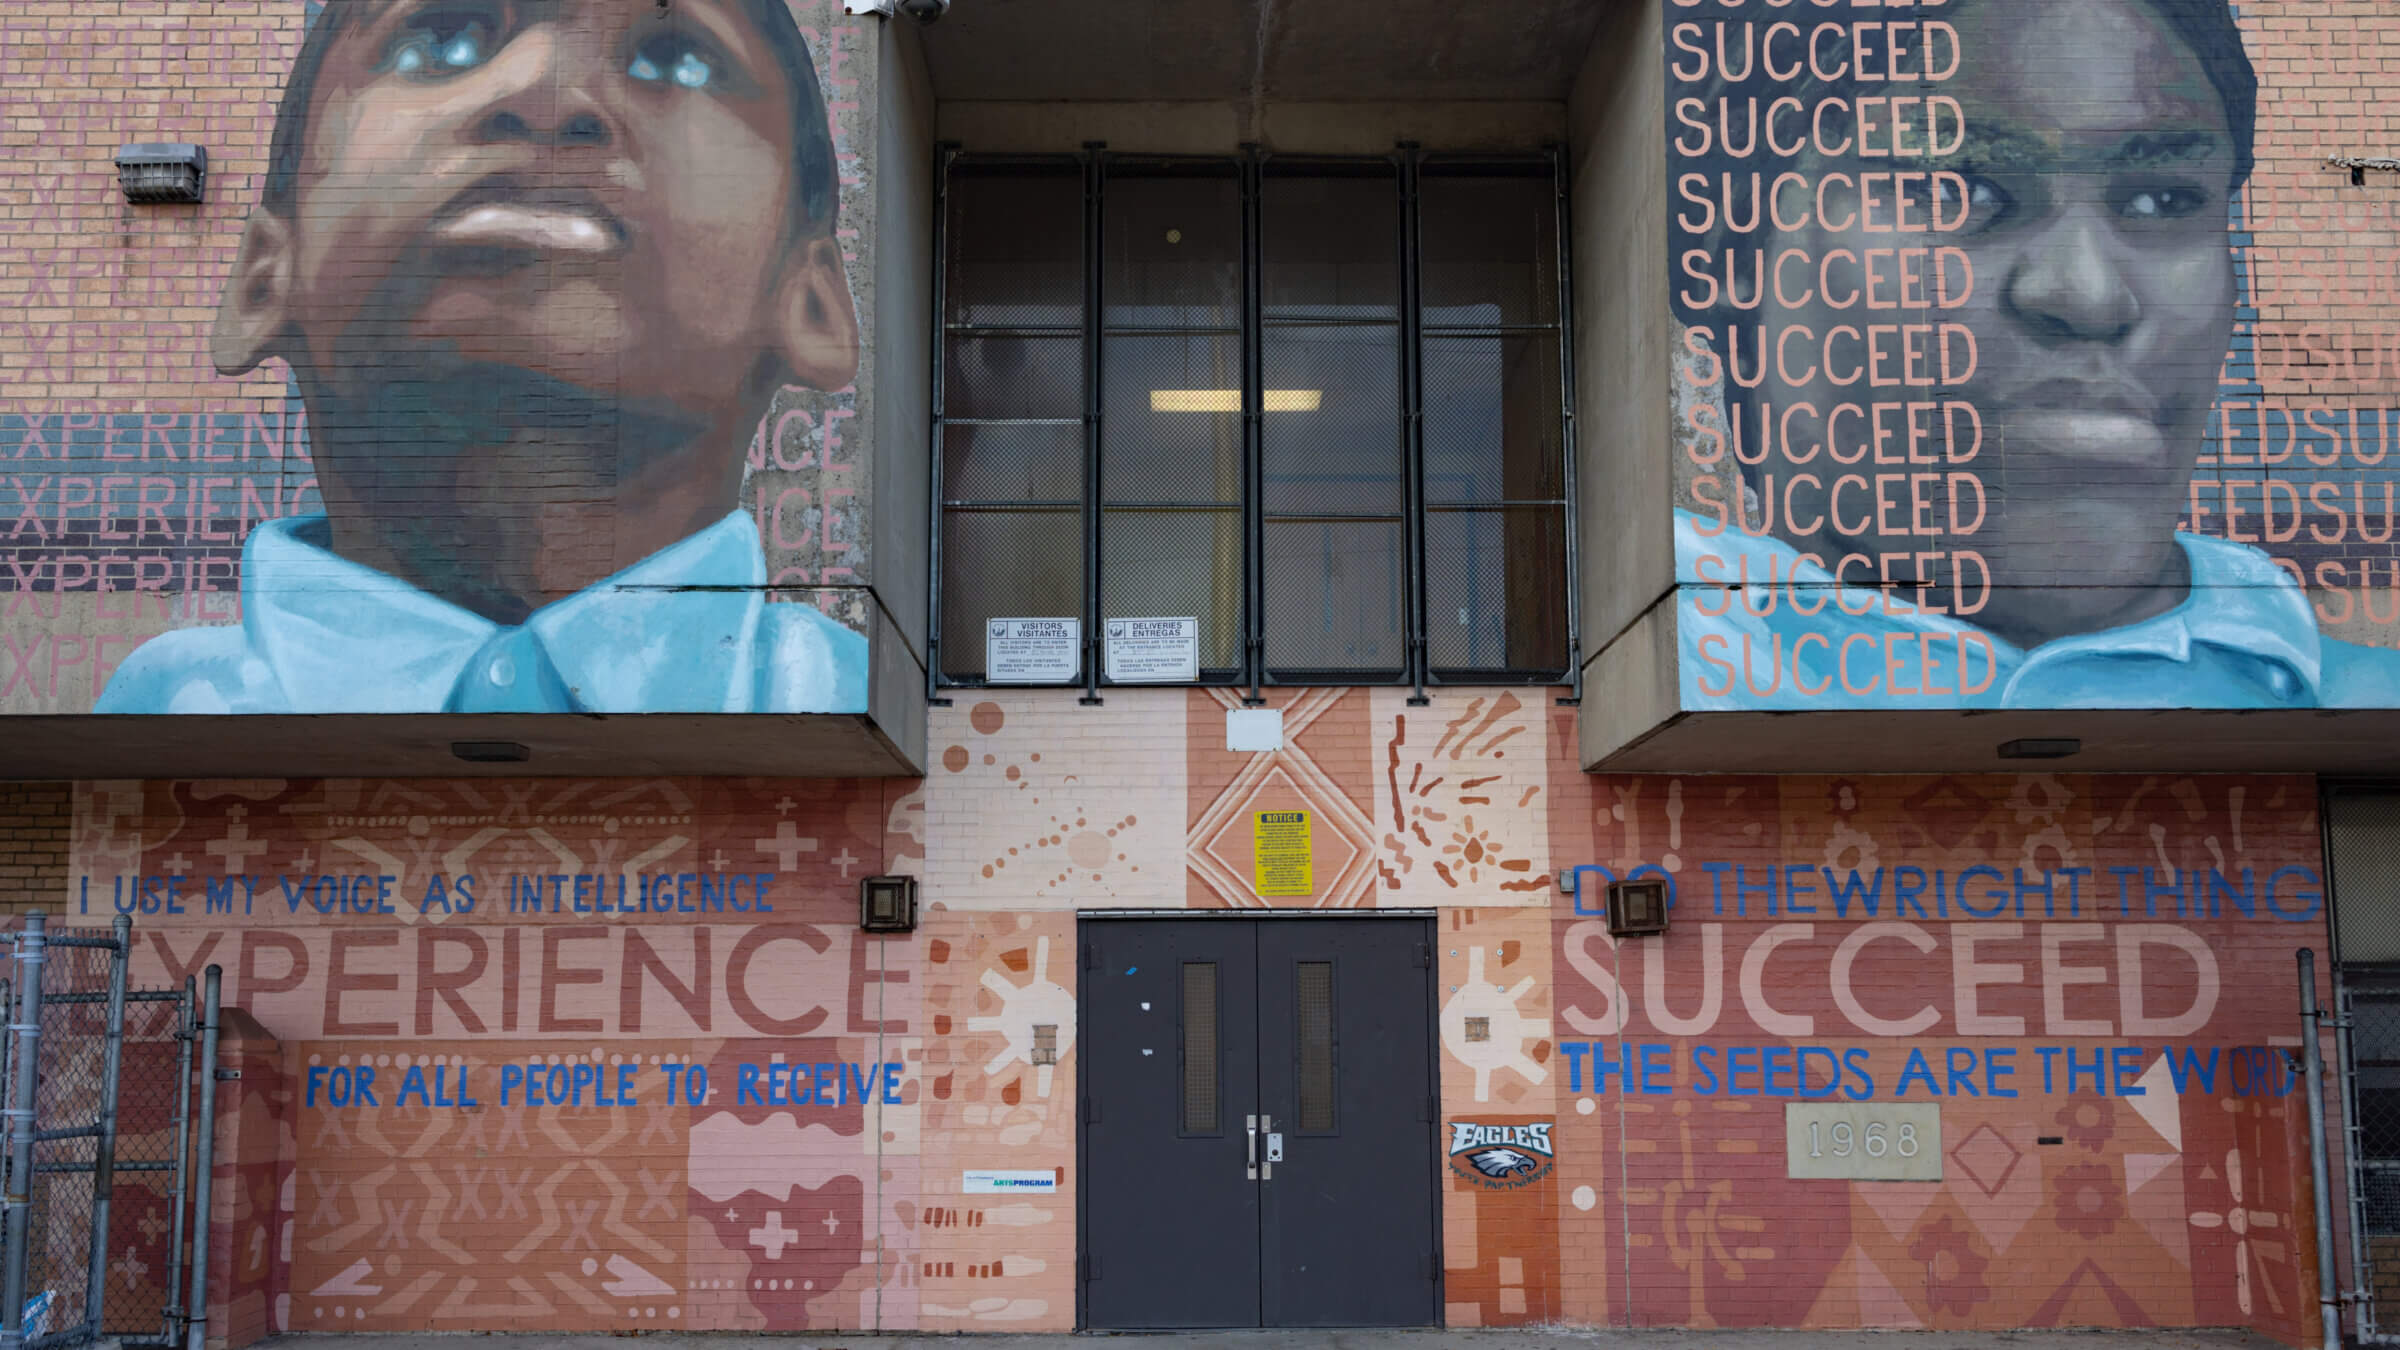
1863	1141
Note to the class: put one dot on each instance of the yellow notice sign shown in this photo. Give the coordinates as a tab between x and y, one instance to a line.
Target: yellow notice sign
1281	866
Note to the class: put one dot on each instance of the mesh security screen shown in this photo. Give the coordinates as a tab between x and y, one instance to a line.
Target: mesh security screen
1330	244
1200	1047
1495	445
1011	445
1346	453
1335	599
1334	462
2375	1069
1019	258
1492	599
1490	243
1491	418
2364	830
1313	1000
1317	405
1173	245
1172	489
1175	563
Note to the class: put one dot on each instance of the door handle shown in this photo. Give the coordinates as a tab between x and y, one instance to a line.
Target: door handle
1254	1148
1266	1166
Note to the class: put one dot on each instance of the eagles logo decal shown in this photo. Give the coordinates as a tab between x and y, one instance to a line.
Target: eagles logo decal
1501	1162
1501	1157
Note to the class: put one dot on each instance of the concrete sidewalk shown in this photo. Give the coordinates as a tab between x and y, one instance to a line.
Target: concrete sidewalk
1338	1340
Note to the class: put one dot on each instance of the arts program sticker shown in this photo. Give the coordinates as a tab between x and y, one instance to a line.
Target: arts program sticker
1501	1157
1004	1183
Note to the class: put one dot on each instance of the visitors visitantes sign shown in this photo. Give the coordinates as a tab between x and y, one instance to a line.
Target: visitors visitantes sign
1033	651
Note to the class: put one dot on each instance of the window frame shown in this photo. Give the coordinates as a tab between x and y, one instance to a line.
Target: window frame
1406	165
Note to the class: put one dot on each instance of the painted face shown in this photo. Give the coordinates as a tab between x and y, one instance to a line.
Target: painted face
2093	181
596	191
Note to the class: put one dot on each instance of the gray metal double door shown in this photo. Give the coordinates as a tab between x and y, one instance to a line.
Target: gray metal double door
1259	1136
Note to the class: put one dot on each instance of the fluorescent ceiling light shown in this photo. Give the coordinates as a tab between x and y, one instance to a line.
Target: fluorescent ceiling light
1230	400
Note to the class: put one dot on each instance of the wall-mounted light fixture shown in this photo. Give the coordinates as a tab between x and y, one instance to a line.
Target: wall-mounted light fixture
2359	164
923	11
1637	908
888	904
162	171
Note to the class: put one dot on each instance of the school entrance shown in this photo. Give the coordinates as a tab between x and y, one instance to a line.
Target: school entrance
1259	1137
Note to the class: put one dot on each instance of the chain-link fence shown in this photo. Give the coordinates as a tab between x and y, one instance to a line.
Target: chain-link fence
70	1103
153	1143
99	1084
2373	1013
2363	828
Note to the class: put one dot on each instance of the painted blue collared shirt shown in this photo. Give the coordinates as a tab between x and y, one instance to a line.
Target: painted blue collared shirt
687	629
2244	637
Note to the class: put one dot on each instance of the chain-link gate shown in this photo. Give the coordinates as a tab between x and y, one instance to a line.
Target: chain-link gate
2371	1085
2363	854
99	1081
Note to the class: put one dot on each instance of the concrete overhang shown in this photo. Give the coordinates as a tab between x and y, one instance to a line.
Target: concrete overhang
2364	743
1236	50
1634	719
815	745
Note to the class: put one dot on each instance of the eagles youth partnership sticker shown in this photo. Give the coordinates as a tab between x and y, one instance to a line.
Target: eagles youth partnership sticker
1501	1157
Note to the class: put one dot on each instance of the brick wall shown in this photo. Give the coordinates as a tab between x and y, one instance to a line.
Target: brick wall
2076	971
134	466
2324	255
35	822
109	304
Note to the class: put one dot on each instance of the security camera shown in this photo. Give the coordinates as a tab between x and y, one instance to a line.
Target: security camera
923	11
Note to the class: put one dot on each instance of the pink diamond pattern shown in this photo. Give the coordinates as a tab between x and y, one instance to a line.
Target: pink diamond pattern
1987	1158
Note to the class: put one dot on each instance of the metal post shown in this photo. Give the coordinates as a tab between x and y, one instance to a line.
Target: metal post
1095	327
187	1034
1561	184
2329	1303
8	1004
2343	1067
28	1053
938	388
1254	433
197	1337
104	1152
1412	447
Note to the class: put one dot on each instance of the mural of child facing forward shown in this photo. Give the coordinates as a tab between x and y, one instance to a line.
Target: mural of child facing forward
2060	236
538	270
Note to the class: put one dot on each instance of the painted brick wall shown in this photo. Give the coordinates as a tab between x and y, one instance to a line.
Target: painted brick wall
135	472
2251	320
2114	951
1034	807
